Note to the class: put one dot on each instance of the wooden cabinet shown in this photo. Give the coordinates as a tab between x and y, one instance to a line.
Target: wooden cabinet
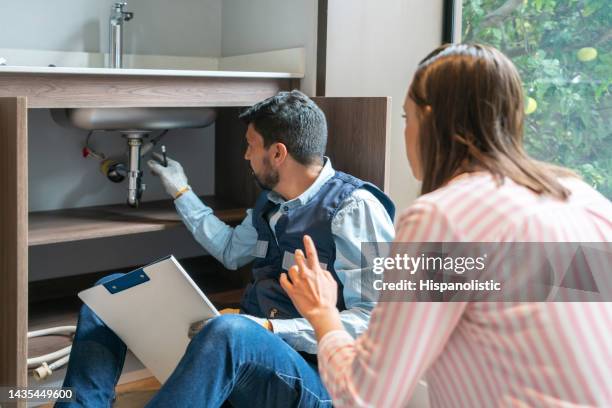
357	143
13	241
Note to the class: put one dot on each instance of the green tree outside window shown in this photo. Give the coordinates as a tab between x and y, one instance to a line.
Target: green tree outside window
562	49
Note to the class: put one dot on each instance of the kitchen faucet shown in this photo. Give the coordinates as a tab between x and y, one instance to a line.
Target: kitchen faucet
118	16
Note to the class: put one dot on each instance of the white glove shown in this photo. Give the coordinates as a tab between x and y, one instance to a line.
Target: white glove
173	177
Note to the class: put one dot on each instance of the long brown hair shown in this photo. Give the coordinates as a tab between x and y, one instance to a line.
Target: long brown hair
476	120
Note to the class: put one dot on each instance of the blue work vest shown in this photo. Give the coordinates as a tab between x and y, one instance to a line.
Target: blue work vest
264	297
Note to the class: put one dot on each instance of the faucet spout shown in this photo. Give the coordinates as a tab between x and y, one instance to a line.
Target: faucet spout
118	16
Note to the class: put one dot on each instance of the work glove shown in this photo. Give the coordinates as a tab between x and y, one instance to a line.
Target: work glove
173	177
197	326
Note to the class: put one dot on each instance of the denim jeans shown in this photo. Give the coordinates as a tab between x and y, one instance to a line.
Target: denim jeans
232	359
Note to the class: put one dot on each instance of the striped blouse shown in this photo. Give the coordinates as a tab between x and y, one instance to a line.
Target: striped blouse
483	354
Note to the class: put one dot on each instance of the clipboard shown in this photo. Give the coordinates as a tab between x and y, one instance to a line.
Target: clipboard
151	310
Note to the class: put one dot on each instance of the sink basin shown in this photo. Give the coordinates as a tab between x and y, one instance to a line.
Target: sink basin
134	124
144	119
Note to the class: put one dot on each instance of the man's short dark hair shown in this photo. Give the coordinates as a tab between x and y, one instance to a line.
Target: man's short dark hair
293	119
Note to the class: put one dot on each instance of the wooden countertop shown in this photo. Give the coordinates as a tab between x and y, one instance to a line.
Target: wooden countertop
52	87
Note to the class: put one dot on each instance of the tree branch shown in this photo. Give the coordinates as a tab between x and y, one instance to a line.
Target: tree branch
518	51
500	14
604	38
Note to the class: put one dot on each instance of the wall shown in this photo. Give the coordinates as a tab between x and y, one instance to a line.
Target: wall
159	27
61	178
264	25
373	47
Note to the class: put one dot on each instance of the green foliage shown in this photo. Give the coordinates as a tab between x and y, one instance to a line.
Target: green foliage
571	125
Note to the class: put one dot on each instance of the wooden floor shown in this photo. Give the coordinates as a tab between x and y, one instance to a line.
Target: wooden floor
134	394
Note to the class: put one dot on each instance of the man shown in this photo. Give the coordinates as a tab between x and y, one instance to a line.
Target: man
266	356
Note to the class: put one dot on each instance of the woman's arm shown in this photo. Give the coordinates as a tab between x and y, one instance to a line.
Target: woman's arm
360	218
313	290
383	366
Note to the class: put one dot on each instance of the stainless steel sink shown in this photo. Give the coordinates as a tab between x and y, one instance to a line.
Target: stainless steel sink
134	124
144	119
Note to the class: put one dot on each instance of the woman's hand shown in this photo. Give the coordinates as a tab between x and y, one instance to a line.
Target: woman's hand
313	290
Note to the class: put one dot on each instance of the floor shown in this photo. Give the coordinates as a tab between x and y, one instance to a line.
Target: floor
135	394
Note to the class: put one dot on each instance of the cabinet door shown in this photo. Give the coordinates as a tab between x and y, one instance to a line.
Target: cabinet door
358	136
13	241
357	143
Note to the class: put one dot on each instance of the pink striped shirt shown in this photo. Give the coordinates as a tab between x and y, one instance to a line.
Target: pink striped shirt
483	354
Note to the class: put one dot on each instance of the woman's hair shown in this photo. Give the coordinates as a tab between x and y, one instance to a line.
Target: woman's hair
476	120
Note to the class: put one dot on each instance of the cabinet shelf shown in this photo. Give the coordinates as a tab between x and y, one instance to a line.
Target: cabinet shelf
66	225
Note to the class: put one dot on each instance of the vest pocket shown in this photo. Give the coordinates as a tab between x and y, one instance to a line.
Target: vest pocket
260	250
273	300
289	261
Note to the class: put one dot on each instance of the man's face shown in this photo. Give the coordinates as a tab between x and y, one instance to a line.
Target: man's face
266	176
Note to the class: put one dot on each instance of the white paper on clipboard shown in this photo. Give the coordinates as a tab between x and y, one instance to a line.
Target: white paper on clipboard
151	310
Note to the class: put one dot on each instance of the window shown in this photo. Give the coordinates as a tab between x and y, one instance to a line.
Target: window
562	49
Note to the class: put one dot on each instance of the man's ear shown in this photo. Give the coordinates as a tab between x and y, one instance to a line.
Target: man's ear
279	153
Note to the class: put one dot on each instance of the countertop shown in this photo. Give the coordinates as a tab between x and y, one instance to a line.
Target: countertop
145	72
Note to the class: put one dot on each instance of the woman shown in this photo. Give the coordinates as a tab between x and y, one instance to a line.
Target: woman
464	119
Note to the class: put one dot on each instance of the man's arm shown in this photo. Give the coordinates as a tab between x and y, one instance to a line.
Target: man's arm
361	218
231	246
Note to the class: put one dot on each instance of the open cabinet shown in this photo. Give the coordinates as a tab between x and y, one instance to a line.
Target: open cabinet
357	143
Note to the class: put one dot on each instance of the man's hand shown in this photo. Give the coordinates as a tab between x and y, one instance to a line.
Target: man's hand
197	326
228	310
265	323
173	177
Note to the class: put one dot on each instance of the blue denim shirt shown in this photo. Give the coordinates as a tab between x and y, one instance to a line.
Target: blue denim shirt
360	218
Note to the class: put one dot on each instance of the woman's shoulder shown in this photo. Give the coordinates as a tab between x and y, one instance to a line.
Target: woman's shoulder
584	195
482	191
478	206
434	214
463	193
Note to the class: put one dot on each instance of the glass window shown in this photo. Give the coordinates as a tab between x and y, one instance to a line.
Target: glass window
562	49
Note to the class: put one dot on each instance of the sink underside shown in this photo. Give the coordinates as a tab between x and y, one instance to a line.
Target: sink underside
143	119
